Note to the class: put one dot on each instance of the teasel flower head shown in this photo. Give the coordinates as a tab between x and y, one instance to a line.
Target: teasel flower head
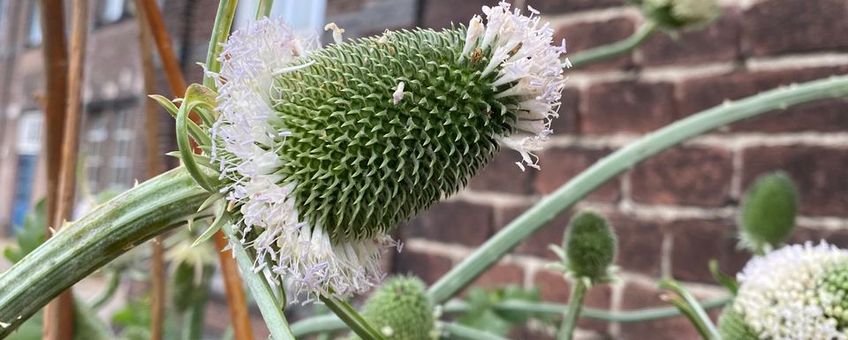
795	292
767	216
323	150
589	249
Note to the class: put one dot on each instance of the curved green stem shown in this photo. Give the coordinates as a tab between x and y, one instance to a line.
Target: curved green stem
458	331
617	48
572	313
690	307
616	163
102	235
269	304
264	8
352	318
220	33
317	324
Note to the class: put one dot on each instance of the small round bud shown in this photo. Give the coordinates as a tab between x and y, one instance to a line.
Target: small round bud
590	246
400	309
676	14
768	212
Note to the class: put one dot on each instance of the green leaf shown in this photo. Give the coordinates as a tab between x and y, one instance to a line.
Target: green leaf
31	235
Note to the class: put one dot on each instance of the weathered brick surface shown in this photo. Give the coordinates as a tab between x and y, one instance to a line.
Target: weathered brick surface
429	267
696	242
716	43
441	13
503	175
627	106
820	116
568	120
684	176
639	244
558	6
501	275
784	26
582	36
561	164
818	173
453	222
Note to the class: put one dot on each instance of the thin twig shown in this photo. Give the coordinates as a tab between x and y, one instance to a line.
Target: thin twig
59	318
154	166
236	300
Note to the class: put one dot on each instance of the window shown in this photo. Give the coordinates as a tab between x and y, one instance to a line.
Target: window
28	146
107	152
112	11
34	30
300	15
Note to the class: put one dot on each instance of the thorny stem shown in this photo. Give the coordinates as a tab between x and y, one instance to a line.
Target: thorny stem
616	163
87	244
220	33
264	8
617	48
572	313
269	305
351	318
458	331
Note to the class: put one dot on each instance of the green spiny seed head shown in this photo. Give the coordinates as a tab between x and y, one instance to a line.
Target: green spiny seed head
768	212
323	151
590	246
676	14
731	325
400	309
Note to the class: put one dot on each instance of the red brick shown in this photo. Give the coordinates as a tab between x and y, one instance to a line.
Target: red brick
639	244
784	26
702	93
626	106
548	7
537	243
837	237
696	242
338	7
501	275
453	222
567	122
441	13
717	42
553	287
582	36
637	296
503	175
560	165
428	267
818	172
684	176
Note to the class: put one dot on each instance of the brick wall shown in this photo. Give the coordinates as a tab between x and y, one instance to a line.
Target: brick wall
676	211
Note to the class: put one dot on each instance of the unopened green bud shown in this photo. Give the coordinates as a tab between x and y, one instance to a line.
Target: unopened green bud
400	309
590	246
768	212
676	14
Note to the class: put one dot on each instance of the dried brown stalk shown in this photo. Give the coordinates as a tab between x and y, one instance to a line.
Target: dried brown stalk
59	316
154	167
236	300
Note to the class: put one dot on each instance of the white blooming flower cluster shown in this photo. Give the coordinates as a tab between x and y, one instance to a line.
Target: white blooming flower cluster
782	296
301	255
522	54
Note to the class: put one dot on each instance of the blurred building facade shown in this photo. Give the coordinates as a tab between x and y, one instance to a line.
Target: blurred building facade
672	213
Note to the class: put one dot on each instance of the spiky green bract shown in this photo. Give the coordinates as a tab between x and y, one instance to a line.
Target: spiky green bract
768	212
590	246
400	310
351	143
732	326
